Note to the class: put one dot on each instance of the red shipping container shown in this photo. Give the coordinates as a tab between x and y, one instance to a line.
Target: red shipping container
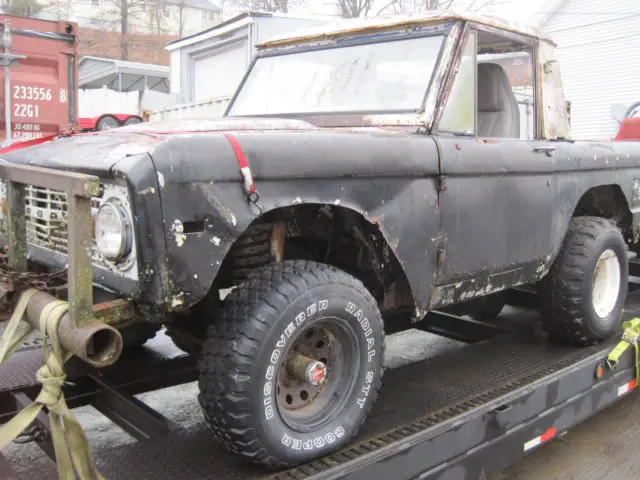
44	85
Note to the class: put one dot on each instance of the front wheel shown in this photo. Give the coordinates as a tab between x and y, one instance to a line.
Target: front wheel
291	370
584	292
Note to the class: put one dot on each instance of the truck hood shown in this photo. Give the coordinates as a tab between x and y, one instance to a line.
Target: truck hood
97	153
93	154
222	124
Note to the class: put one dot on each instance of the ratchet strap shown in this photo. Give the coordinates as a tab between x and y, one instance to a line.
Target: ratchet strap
630	338
70	444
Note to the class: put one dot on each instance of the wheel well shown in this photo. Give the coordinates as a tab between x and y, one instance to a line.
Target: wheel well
330	234
606	201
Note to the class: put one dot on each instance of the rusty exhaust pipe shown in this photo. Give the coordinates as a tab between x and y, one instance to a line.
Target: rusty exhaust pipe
96	343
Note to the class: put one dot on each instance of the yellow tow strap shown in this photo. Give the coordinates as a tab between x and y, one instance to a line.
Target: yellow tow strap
630	337
70	444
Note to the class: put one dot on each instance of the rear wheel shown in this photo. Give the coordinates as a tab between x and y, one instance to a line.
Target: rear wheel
583	295
292	368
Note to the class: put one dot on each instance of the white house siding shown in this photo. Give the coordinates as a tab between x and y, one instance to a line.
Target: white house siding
599	54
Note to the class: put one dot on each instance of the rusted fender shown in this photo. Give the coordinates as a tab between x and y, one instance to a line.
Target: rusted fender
388	178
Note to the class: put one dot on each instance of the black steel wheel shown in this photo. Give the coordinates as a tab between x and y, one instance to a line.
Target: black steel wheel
583	294
294	364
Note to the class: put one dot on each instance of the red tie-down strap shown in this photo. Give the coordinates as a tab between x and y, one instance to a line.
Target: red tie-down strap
26	143
245	171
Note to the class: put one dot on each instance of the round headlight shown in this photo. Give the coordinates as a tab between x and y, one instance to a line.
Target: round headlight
113	231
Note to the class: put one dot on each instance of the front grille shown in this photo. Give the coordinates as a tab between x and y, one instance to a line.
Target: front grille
46	213
47	220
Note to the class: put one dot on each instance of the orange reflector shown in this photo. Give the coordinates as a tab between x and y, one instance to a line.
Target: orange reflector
599	372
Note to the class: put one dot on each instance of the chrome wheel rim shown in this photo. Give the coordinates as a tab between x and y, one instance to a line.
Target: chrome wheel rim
606	284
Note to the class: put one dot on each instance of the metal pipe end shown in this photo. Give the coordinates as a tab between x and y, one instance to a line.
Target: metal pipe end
98	344
104	347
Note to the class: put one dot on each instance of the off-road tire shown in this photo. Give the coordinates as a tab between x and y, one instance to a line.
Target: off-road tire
263	315
137	334
565	293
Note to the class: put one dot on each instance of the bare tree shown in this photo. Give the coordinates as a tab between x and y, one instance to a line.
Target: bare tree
122	12
126	12
355	8
23	8
157	14
435	4
413	6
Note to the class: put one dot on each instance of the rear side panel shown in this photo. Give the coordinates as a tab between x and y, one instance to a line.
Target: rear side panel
44	84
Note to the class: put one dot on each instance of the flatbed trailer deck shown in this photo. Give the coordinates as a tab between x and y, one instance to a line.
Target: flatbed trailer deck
461	414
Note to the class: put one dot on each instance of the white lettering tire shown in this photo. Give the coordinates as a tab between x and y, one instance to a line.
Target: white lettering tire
245	362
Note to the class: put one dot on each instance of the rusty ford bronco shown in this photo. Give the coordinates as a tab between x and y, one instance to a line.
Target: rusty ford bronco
404	165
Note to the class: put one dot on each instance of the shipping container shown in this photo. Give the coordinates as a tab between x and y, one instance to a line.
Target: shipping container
43	81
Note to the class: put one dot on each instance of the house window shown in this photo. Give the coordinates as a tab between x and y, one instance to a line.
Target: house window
209	16
95	2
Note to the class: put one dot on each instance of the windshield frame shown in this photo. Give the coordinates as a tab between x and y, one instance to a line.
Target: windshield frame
354	117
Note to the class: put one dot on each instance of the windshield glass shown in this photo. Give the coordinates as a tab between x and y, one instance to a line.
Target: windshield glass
375	77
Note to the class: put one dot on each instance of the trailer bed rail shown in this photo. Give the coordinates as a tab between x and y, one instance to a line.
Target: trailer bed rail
469	410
